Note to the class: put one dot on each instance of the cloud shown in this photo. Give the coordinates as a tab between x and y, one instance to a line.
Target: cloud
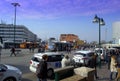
57	8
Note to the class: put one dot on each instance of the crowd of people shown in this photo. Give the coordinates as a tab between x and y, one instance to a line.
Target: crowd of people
112	60
114	63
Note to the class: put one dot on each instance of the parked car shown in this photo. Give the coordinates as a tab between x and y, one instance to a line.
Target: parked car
53	62
82	57
10	73
101	52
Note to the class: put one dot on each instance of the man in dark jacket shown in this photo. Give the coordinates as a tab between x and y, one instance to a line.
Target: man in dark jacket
12	51
92	63
42	69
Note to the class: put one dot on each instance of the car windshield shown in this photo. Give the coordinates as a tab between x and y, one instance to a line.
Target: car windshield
98	51
35	59
80	54
2	66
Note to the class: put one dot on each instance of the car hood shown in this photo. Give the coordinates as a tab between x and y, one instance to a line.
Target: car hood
78	56
9	67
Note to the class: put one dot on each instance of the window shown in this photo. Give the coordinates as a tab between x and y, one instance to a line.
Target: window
54	58
35	59
90	54
81	54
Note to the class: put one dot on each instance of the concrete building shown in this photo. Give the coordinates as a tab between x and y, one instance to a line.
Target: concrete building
21	33
69	37
116	32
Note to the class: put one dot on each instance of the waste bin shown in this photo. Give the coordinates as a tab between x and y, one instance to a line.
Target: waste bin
85	72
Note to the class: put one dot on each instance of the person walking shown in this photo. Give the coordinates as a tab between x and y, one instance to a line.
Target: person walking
30	47
41	71
118	67
0	49
12	51
109	59
65	61
113	67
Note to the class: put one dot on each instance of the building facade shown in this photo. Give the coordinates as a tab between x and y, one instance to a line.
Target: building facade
69	37
116	32
19	33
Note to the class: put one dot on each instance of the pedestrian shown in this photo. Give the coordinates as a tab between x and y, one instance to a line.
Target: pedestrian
65	61
92	63
109	59
30	47
118	68
0	49
39	49
113	67
12	51
33	48
42	69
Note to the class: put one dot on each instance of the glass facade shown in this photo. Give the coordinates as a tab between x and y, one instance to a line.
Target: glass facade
21	33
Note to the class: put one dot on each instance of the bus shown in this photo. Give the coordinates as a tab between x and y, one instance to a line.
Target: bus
1	42
59	46
9	44
29	44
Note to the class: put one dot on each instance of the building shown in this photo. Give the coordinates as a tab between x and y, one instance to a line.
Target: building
116	32
20	34
69	37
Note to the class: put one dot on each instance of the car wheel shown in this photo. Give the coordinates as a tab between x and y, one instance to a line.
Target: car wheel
50	73
10	79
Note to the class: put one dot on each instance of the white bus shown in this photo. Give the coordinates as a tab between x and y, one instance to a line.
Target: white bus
59	46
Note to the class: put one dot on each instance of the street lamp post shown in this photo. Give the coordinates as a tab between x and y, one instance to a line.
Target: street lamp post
15	5
101	22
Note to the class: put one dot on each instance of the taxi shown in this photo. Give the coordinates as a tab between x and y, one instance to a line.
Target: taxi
53	62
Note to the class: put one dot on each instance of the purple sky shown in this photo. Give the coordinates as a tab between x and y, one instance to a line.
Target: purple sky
50	18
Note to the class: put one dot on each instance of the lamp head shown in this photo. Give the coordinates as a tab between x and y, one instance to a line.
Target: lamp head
96	19
102	22
15	4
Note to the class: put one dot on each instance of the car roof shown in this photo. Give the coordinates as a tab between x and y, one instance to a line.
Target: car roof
47	53
84	51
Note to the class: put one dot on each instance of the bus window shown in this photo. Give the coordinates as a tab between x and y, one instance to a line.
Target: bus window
1	42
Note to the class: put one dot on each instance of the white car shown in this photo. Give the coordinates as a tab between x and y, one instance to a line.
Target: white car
82	57
101	52
53	62
10	73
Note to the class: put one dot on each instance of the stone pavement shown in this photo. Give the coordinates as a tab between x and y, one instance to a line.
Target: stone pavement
103	73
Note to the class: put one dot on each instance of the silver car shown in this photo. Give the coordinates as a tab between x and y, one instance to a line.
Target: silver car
10	73
82	57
